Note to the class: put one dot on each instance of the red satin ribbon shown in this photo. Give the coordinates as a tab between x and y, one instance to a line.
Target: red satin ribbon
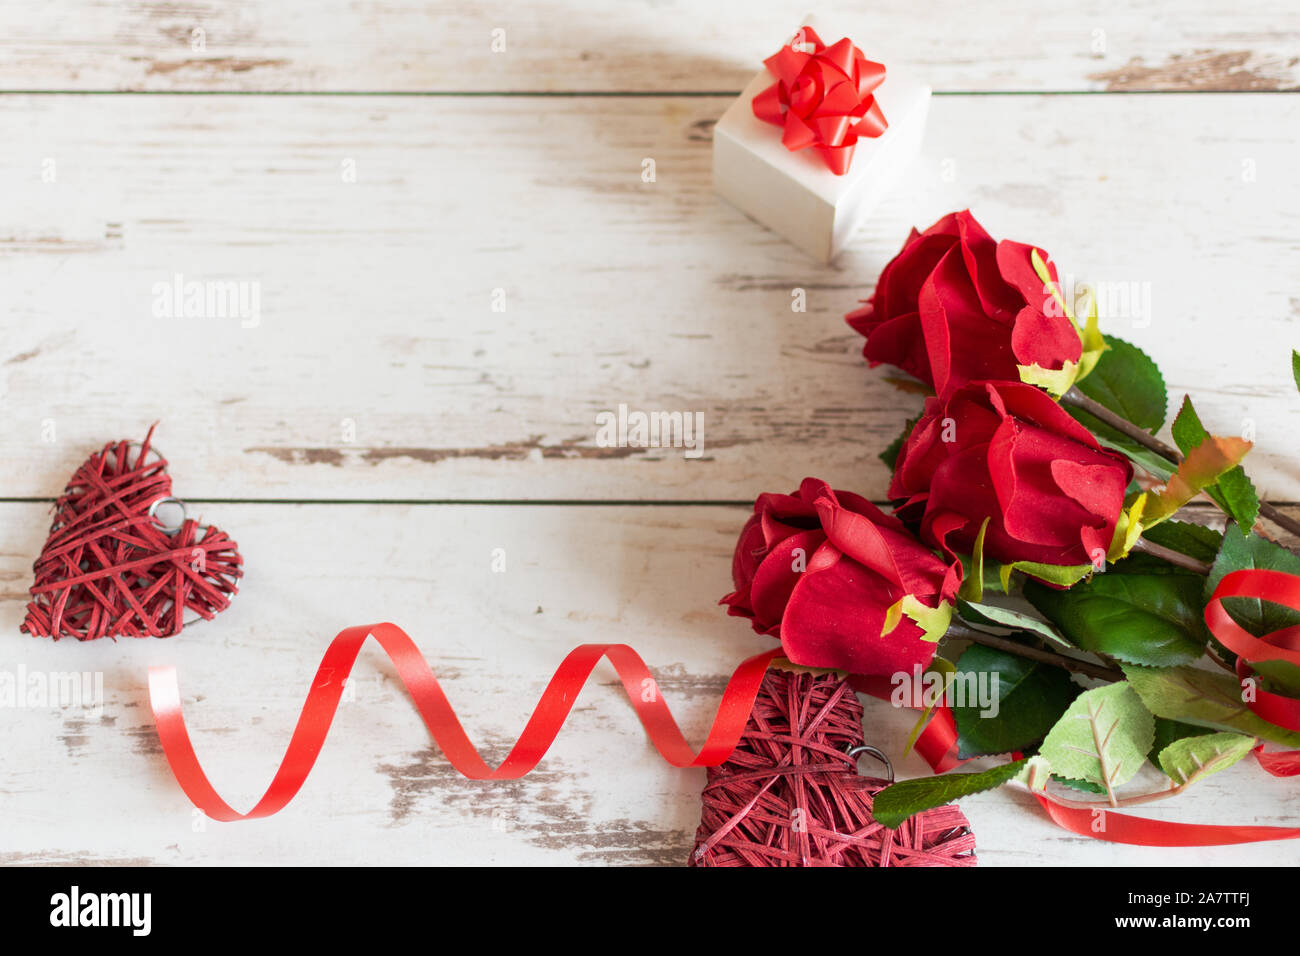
1282	763
538	735
937	743
1105	824
823	99
1277	587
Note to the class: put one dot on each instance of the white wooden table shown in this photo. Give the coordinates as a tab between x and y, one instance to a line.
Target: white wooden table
382	428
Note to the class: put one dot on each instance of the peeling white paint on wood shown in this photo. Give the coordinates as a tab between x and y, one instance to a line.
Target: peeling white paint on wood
630	45
377	367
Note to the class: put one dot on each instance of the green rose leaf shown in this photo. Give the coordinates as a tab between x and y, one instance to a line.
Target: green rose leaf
1153	619
1104	737
944	669
1194	758
1129	383
1194	540
1295	367
1202	468
1194	696
1087	786
890	455
1034	774
1280	677
1139	562
992	616
1167	731
972	584
1027	700
1062	574
901	800
1234	491
1140	455
1236	494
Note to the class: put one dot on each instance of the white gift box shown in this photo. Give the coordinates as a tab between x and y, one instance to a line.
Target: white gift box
795	193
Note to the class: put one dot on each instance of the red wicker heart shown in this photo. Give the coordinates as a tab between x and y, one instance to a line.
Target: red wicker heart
790	793
108	568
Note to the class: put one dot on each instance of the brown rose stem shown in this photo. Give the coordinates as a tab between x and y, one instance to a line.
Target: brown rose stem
963	633
1140	435
1278	518
1133	801
1176	558
1147	440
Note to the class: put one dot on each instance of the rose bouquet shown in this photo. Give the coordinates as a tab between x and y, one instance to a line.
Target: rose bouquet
1037	550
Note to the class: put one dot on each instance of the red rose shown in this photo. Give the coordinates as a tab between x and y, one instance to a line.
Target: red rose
1007	452
954	306
821	570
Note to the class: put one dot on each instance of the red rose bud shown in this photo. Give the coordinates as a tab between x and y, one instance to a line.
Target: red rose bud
954	307
1005	451
840	583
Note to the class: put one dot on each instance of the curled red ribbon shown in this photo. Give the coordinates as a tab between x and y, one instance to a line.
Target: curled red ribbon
823	99
1277	587
937	743
538	735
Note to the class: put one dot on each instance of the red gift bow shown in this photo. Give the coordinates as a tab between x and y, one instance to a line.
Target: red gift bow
823	99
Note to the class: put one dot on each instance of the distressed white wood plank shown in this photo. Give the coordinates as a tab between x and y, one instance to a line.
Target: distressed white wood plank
379	369
648	45
646	576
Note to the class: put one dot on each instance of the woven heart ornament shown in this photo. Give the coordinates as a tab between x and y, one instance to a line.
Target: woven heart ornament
110	568
790	793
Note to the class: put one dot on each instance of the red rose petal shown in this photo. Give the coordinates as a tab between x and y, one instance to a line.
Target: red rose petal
901	280
998	300
1097	487
1031	404
860	505
777	576
961	497
1044	340
963	343
900	342
834	619
1022	463
1017	267
857	537
750	550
